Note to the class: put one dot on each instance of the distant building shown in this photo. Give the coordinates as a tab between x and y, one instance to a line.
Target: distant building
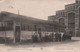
70	16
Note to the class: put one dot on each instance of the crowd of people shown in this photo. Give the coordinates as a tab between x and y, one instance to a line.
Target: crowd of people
47	37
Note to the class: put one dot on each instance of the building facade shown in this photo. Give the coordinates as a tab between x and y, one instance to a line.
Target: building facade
70	16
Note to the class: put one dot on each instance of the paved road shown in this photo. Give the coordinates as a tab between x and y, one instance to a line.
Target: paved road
73	46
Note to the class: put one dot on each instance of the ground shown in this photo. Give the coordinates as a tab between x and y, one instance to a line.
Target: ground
65	46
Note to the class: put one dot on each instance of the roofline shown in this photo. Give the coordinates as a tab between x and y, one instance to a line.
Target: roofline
52	16
34	20
61	10
70	4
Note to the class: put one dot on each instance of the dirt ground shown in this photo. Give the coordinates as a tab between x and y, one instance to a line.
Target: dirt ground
65	46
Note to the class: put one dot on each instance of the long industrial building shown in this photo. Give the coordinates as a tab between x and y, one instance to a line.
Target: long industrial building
16	28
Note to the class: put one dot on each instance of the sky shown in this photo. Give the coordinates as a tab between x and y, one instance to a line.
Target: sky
40	9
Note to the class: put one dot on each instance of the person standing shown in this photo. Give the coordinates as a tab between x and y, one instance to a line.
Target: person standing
35	37
59	36
62	36
54	36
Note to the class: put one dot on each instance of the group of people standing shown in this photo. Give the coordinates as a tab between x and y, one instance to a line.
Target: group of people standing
47	37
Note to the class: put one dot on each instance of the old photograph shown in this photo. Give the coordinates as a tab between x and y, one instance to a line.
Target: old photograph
39	25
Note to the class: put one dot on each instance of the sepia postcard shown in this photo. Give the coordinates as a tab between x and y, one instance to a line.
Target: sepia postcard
39	25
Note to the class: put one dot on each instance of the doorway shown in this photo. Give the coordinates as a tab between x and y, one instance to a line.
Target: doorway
17	33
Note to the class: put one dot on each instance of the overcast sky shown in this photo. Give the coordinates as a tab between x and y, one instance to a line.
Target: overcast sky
34	8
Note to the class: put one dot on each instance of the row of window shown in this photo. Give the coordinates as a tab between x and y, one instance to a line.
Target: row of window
59	29
77	1
70	7
28	27
6	26
51	18
61	14
3	25
34	28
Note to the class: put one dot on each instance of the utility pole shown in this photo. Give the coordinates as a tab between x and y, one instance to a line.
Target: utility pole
5	31
18	13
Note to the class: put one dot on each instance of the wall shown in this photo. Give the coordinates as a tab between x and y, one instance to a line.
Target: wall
27	35
9	34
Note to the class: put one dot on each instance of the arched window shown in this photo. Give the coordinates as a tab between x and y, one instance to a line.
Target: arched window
77	1
61	20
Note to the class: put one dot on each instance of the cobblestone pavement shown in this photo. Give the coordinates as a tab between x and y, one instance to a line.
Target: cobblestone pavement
67	46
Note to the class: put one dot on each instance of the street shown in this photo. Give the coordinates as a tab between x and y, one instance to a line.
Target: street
67	46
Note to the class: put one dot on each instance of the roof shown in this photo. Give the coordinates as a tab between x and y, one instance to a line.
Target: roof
52	16
24	19
70	4
60	11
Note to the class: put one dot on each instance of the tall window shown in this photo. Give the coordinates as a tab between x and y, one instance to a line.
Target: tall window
79	17
77	1
61	20
71	20
71	23
9	25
